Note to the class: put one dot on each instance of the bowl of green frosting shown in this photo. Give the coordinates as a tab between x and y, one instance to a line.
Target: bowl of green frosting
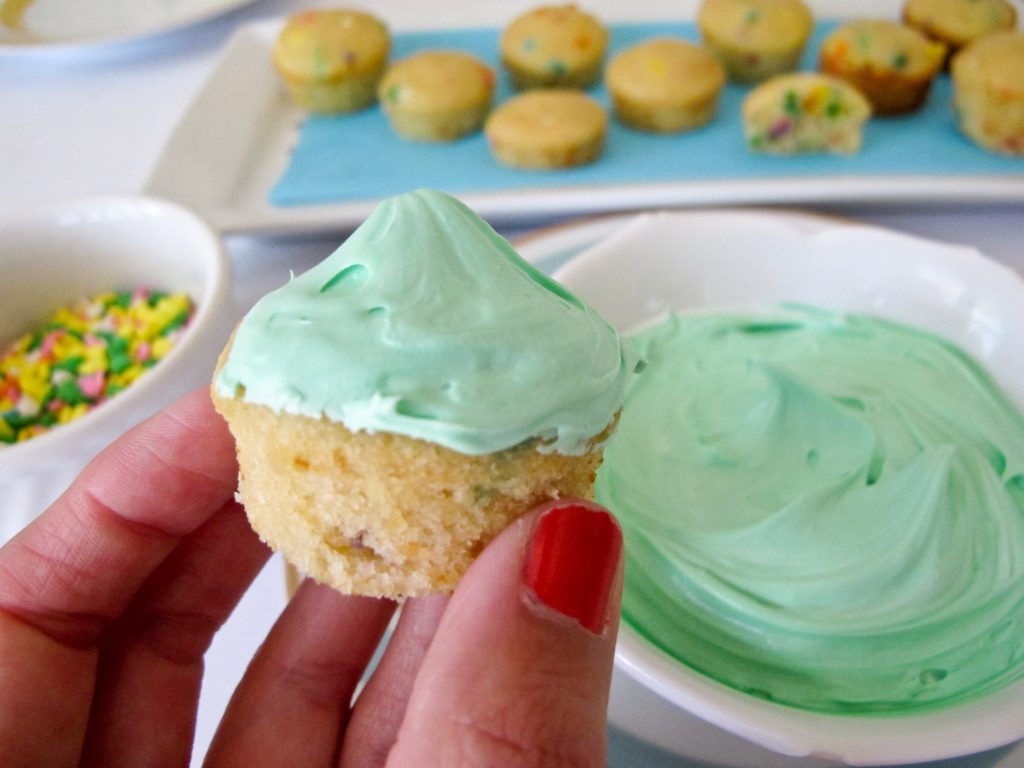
820	480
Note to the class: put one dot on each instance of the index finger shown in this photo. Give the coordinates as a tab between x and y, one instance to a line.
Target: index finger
77	566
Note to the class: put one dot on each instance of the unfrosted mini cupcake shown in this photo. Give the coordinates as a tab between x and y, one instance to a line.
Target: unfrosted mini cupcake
547	129
891	64
401	402
665	85
957	22
554	46
437	95
804	112
331	60
755	39
988	92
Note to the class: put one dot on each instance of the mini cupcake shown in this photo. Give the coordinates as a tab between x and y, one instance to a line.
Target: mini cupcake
804	112
331	61
437	95
988	92
755	39
547	129
404	400
554	47
891	64
665	85
958	22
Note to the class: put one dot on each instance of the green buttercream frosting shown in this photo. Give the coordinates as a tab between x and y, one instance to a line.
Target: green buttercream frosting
426	323
823	510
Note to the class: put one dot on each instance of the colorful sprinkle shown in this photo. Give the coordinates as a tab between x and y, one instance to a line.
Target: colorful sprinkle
84	355
814	99
780	129
791	103
320	63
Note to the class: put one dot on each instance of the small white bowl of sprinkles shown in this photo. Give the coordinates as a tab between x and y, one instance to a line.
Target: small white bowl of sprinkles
820	479
112	308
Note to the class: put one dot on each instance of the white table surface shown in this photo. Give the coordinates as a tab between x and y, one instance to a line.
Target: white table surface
77	124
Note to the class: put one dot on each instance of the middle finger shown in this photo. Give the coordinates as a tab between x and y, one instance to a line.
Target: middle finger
293	703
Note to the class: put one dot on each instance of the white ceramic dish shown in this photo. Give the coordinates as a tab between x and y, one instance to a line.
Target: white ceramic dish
60	254
709	259
70	25
234	141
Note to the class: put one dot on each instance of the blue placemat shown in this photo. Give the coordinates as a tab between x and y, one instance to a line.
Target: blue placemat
356	157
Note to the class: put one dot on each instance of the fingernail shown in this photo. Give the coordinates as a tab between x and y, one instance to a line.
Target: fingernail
572	559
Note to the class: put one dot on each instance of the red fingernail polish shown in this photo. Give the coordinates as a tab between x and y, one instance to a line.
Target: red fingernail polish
572	559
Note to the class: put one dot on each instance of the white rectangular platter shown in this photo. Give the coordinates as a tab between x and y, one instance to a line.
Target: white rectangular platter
235	139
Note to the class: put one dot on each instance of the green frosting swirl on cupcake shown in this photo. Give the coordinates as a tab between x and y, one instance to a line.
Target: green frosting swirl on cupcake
426	323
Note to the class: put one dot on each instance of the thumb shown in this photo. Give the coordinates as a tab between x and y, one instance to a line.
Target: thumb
519	670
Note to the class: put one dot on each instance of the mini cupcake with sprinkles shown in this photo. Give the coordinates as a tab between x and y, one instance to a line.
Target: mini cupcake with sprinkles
437	95
755	39
554	47
988	92
665	85
959	22
544	129
891	64
332	60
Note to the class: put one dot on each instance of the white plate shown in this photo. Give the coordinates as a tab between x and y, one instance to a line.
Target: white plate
234	141
948	289
71	25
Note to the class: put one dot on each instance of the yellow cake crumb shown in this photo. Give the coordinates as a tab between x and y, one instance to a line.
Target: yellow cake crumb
804	112
384	514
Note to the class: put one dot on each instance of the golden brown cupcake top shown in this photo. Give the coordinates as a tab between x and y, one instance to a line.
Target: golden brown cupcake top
957	22
665	70
883	46
547	118
436	81
762	25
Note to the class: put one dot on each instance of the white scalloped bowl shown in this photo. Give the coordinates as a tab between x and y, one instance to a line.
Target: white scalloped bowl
54	256
703	260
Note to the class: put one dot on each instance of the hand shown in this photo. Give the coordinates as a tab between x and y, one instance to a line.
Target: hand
109	600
